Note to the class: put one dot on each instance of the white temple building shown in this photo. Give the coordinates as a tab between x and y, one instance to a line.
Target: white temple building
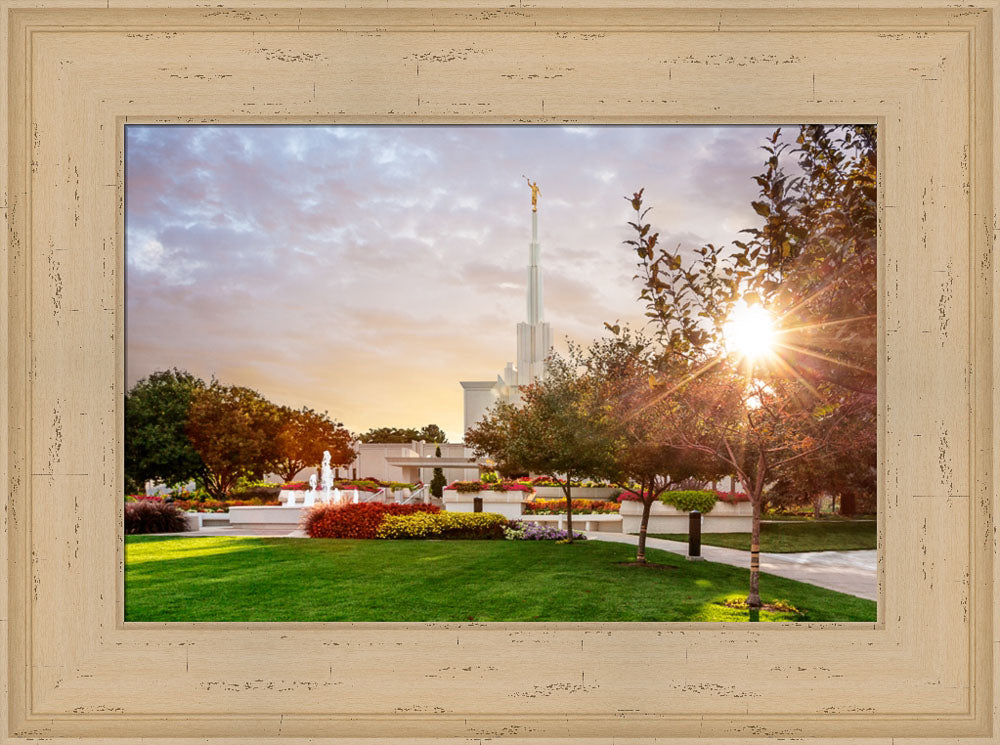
534	343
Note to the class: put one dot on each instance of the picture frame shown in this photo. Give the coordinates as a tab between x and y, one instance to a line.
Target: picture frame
79	70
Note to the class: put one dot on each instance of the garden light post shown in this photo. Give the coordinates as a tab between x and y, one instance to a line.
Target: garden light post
694	536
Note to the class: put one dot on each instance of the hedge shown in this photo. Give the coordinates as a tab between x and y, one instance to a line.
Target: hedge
685	501
359	520
443	525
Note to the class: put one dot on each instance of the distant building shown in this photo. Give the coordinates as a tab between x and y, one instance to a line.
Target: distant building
534	343
413	461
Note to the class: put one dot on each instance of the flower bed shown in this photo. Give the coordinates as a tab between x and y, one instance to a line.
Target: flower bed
360	520
579	507
366	485
549	481
217	505
463	525
471	487
518	530
687	500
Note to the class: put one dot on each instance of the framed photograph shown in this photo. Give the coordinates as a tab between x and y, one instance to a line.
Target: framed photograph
499	373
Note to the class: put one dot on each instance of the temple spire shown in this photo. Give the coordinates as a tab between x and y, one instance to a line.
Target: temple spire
533	336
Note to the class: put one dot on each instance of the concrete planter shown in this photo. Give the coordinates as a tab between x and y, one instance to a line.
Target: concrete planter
198	520
259	516
598	523
509	504
578	492
724	518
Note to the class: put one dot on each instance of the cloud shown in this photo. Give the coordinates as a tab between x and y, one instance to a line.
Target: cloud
365	270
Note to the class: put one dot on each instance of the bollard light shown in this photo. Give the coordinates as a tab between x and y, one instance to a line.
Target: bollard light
694	536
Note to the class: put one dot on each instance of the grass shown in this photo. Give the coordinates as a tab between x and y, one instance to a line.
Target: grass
213	578
792	536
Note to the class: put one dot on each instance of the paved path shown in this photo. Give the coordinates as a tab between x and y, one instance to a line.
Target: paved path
852	572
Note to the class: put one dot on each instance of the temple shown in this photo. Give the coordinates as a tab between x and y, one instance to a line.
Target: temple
534	342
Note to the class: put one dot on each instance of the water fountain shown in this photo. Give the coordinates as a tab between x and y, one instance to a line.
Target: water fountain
326	477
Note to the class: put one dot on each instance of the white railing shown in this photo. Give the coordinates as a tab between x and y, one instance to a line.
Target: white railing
420	495
378	496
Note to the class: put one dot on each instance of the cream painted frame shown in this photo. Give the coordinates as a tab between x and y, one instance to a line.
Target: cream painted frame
77	70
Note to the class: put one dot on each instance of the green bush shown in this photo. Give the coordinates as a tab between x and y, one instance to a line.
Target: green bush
685	501
264	493
443	525
438	483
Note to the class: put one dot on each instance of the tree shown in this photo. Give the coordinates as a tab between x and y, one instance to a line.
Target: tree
156	444
428	433
810	267
555	431
753	429
620	368
303	435
438	481
432	433
234	430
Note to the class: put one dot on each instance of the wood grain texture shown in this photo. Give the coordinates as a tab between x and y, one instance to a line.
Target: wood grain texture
78	71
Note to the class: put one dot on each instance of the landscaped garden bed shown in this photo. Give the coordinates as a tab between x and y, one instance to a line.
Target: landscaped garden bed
288	580
670	513
578	506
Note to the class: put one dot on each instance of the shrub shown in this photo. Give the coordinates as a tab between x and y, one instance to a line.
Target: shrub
296	485
732	497
443	525
256	492
397	485
580	507
529	531
148	516
218	505
355	520
685	501
438	482
471	487
466	487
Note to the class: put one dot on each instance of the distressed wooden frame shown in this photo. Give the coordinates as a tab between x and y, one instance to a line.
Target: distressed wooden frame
77	70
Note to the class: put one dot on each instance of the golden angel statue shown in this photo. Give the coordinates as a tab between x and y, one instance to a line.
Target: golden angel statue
534	194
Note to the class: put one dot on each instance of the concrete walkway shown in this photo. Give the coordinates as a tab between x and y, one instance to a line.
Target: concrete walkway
851	572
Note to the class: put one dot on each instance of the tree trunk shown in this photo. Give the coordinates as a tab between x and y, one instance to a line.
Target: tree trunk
569	509
640	554
848	505
753	599
817	500
289	471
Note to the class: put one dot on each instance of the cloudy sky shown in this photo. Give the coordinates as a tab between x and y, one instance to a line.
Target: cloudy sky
365	270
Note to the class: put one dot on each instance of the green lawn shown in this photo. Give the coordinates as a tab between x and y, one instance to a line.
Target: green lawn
291	579
791	536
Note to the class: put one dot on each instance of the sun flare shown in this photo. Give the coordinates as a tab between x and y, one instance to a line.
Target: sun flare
749	332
